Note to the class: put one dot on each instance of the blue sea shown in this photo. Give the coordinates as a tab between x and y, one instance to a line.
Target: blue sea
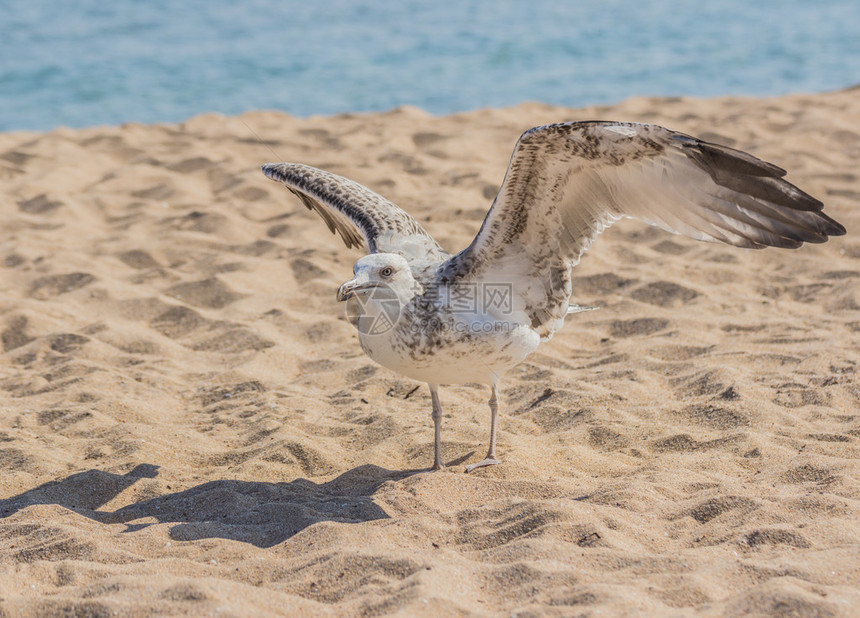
88	62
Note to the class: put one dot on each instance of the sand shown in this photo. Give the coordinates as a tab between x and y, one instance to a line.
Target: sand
189	426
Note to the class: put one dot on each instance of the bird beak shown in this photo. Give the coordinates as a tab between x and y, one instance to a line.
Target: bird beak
345	291
348	289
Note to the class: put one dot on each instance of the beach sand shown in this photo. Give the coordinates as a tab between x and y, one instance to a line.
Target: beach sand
189	425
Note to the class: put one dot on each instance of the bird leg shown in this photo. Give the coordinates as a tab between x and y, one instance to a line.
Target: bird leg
490	459
437	427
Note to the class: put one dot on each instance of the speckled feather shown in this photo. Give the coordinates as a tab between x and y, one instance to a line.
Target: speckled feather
360	216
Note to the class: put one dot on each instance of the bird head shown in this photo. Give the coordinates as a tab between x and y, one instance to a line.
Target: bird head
382	286
379	271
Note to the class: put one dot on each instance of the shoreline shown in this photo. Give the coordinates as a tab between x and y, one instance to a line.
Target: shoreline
346	115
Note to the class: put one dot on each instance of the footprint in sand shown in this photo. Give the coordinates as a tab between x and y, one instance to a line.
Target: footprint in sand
771	537
603	283
159	192
361	374
278	230
47	287
38	205
716	507
251	194
422	140
189	166
664	294
670	247
208	293
67	343
809	473
489	192
61	419
319	332
15	459
16	157
197	221
15	334
230	395
305	270
178	321
605	439
138	259
807	293
709	415
638	327
234	341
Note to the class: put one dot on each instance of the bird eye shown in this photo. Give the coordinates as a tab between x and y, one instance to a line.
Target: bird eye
386	272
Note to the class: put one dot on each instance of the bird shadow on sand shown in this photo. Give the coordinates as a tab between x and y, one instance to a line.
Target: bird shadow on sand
263	514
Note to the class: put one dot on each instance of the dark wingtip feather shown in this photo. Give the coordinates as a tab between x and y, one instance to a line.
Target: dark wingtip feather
834	228
747	175
736	161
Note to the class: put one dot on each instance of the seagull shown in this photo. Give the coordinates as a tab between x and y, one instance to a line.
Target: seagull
470	317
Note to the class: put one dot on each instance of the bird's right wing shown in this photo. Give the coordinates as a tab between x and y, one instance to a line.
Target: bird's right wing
567	182
361	217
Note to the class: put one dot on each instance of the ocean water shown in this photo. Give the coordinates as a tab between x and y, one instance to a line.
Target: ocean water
92	62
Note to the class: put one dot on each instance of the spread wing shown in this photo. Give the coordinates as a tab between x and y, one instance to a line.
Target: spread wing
566	183
361	217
